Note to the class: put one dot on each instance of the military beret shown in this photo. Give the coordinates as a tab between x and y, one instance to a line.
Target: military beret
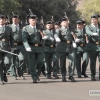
16	16
80	22
57	23
49	22
95	16
3	16
63	19
31	16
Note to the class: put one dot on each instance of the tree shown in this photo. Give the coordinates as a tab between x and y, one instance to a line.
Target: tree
90	7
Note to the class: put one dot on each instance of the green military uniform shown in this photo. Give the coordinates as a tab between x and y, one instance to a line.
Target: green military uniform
5	42
50	53
81	52
93	47
64	50
32	39
17	62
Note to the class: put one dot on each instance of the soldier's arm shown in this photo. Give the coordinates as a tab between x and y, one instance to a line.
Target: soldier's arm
11	38
56	35
25	38
88	31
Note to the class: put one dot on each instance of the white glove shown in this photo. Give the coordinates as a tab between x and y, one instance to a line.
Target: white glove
74	45
28	49
58	40
45	37
52	39
77	40
95	34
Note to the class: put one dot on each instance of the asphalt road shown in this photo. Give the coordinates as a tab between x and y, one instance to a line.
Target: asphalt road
49	89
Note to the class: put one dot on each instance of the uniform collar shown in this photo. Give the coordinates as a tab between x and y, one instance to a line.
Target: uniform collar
16	25
94	25
33	26
2	25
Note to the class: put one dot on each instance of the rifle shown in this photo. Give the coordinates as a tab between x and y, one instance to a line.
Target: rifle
52	19
30	12
66	17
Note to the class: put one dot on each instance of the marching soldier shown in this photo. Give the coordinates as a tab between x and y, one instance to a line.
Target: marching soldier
18	48
49	50
81	51
5	43
65	41
93	47
32	36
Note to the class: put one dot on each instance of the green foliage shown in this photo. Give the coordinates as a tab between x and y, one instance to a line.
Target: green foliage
90	7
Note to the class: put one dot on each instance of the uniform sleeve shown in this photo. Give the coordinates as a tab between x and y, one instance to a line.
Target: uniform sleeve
88	31
57	32
11	38
25	38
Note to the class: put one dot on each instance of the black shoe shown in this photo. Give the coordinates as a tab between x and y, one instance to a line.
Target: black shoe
93	79
34	81
56	76
79	76
72	79
49	77
64	80
5	78
1	82
85	75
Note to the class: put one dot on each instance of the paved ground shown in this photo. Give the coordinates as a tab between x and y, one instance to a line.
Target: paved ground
49	89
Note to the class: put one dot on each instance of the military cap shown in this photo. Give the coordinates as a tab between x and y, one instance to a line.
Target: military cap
49	22
80	22
95	16
63	19
31	17
16	16
56	23
3	16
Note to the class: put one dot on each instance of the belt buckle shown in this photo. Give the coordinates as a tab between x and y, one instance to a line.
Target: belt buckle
81	45
51	45
15	43
97	43
3	40
68	41
36	45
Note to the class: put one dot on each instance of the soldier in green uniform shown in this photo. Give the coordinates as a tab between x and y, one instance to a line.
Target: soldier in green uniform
5	44
81	51
64	37
18	48
32	36
93	47
49	51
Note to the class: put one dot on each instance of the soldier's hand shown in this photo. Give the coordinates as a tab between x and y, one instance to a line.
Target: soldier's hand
52	39
44	37
77	40
58	40
95	34
28	49
74	45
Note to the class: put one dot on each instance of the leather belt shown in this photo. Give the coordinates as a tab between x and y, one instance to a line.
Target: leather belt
36	45
68	42
97	42
51	46
81	45
15	44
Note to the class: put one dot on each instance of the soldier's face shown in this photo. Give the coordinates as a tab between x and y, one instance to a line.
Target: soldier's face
94	21
80	26
2	21
64	23
32	22
15	20
56	26
48	26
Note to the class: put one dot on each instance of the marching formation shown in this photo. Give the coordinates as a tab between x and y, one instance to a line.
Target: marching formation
45	48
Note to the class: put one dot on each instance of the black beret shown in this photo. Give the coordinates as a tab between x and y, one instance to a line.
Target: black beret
16	16
31	16
3	16
95	16
49	22
56	23
80	22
